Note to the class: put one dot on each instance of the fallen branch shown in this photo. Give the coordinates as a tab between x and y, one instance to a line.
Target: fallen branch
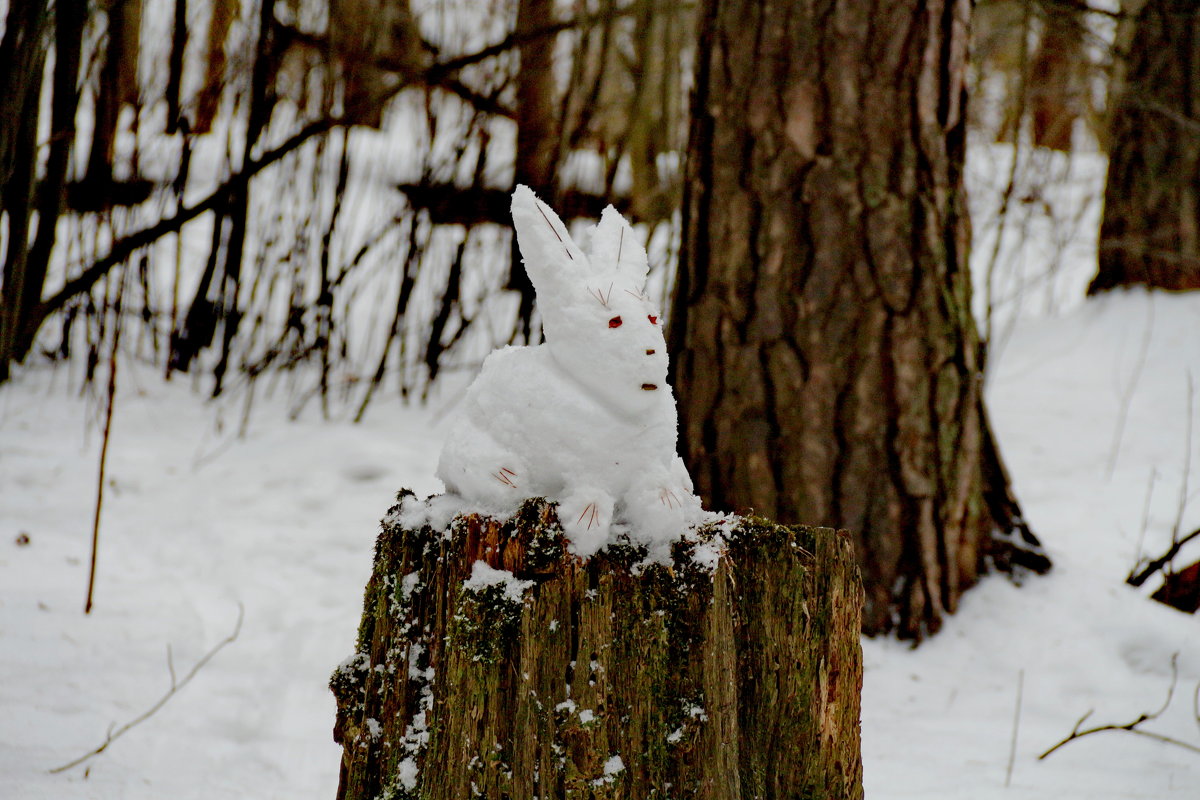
1157	564
115	733
1132	727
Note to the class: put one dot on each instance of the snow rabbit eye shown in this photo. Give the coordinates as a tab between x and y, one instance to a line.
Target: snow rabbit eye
653	319
615	322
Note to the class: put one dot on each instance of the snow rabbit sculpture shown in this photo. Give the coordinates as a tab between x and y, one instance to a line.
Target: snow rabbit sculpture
586	419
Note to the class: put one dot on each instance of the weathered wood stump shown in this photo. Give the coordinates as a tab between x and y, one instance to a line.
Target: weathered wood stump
735	672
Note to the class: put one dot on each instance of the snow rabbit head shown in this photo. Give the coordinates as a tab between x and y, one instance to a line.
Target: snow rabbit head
599	325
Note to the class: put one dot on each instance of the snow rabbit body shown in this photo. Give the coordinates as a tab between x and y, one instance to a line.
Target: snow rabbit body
586	419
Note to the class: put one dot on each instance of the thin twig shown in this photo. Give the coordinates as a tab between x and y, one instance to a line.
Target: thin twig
1132	727
1196	704
1137	553
108	415
1012	744
1138	578
1127	394
1187	460
115	733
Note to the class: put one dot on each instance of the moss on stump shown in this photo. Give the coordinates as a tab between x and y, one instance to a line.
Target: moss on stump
604	678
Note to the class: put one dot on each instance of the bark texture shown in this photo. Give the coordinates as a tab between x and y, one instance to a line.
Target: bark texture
603	678
826	360
1150	233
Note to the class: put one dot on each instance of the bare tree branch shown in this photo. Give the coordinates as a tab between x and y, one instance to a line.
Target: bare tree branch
1012	744
436	74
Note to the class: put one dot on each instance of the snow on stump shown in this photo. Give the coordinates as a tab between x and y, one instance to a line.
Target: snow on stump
493	662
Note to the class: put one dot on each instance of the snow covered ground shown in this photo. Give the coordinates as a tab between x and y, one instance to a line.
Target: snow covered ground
938	721
1091	405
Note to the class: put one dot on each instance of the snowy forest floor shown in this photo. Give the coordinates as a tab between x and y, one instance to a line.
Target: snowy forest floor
282	520
1091	407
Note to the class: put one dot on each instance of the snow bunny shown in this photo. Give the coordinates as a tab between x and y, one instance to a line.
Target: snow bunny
586	419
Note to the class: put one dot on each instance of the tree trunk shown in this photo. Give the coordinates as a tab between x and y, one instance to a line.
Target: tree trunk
22	62
605	678
1058	77
1150	234
70	17
536	160
827	363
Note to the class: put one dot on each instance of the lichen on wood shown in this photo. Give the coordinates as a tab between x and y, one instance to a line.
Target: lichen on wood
612	677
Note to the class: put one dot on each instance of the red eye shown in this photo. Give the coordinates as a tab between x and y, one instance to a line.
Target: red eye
653	319
615	322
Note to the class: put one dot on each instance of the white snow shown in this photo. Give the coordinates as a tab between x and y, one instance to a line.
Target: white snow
613	767
408	773
1083	639
1091	407
483	576
409	583
586	419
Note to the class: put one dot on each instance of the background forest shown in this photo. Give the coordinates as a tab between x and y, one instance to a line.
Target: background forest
263	244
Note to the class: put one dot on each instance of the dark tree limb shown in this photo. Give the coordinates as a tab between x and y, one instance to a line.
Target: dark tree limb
1155	565
22	62
448	204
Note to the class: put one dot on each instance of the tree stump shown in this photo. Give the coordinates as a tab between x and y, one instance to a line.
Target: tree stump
734	672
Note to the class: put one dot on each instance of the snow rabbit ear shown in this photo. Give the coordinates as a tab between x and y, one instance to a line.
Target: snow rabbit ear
615	247
551	257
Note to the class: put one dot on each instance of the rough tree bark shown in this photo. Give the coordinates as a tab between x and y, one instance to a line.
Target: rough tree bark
828	368
603	678
1150	233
